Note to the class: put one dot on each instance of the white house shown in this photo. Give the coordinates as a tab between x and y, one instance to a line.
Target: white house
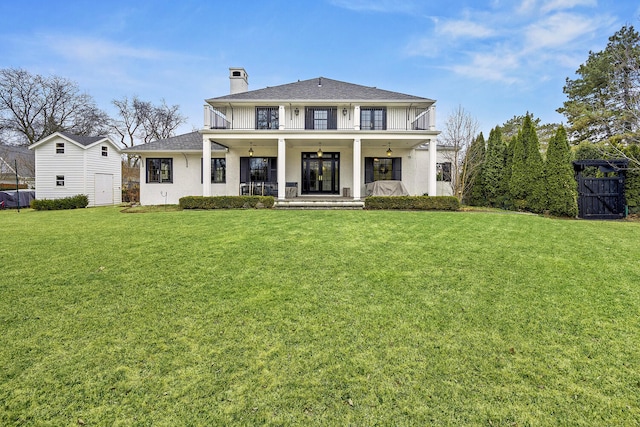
68	165
321	138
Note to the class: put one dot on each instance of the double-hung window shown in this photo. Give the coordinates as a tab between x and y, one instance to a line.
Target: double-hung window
59	180
105	151
267	117
374	118
159	170
59	147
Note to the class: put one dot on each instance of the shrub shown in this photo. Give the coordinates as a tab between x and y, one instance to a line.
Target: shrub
437	203
226	202
74	202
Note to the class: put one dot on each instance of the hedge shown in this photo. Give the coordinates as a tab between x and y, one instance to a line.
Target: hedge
226	202
74	202
438	203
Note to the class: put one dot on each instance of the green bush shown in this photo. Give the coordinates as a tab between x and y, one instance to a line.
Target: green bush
226	202
74	202
438	203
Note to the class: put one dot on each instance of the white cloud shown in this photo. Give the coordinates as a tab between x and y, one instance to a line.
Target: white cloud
458	29
493	66
561	29
86	49
553	5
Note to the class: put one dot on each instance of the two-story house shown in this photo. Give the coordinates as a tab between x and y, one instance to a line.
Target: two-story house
321	138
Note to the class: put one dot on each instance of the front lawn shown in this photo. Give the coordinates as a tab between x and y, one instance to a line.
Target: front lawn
257	317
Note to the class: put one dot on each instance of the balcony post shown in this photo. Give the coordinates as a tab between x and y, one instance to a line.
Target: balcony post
282	176
356	117
206	167
357	161
432	118
207	116
281	117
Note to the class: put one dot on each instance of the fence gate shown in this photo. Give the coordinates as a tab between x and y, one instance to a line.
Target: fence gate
601	196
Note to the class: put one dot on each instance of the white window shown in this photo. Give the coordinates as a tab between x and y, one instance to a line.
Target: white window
59	180
59	147
105	151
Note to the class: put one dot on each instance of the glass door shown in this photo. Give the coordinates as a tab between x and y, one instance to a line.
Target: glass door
320	174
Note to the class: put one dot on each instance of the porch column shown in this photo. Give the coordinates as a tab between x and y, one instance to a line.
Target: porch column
432	188
206	167
282	185
357	161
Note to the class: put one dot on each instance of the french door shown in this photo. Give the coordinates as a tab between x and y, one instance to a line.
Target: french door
320	174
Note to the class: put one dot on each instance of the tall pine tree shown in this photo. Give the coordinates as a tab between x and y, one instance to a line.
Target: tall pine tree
494	184
474	159
561	184
527	186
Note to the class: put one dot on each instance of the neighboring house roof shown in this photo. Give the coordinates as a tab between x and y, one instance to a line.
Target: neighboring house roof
10	154
186	142
79	140
320	89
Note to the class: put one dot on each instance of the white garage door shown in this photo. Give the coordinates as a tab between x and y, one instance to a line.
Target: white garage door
104	189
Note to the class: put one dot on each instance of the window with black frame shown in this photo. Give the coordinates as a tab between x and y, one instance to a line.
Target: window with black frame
443	171
259	175
321	118
218	170
267	117
373	118
382	169
159	170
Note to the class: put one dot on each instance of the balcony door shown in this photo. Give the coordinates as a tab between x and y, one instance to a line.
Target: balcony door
320	175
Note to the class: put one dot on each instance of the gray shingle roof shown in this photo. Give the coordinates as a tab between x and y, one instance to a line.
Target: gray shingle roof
320	88
83	140
186	142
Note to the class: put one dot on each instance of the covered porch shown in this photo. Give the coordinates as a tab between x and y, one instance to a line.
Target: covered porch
319	165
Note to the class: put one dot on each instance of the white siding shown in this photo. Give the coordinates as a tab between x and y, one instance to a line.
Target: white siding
78	165
70	165
97	163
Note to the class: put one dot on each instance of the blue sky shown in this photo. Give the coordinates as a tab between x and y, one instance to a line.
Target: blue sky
495	58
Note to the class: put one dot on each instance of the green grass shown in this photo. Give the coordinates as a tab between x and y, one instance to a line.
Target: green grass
258	317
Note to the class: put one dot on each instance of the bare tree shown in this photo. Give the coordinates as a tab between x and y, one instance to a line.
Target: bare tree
34	106
140	122
460	130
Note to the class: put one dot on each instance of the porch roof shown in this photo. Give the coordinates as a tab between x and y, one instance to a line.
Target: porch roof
318	90
186	142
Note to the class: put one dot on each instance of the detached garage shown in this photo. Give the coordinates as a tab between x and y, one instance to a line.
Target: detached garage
68	165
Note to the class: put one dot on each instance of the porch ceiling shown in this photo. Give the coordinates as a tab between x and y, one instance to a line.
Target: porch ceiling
402	143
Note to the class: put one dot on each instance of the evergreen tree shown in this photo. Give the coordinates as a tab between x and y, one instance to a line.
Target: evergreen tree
603	102
526	186
507	172
561	184
536	186
493	170
474	194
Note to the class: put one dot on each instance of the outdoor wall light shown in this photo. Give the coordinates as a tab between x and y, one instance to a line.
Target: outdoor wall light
297	111
389	152
344	111
319	149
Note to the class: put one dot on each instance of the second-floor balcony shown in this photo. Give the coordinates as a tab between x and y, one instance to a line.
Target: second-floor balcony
320	118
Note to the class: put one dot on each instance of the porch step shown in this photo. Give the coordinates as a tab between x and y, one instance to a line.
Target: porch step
304	203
